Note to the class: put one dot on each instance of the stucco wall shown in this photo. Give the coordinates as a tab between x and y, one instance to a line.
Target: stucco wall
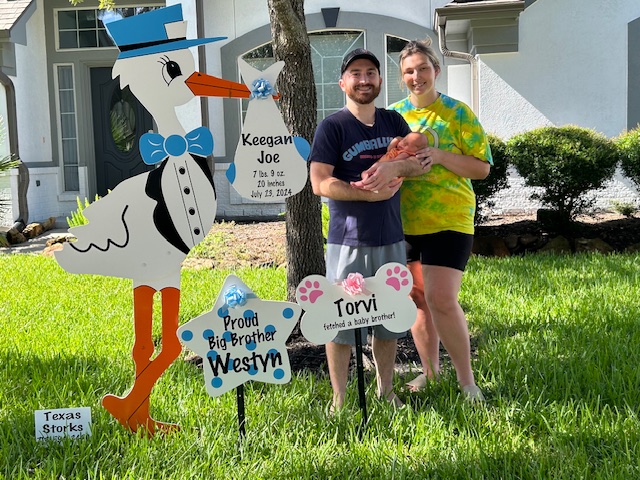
570	69
34	125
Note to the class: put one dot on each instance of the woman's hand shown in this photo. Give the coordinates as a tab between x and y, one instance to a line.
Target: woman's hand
463	165
426	157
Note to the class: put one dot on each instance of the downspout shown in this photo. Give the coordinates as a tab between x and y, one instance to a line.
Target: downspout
442	40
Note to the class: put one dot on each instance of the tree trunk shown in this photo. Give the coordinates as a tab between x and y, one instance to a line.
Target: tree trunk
305	252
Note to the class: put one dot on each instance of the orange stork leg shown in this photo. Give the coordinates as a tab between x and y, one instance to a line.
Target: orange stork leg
132	411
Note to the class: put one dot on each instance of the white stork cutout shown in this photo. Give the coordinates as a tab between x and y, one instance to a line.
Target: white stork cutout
146	226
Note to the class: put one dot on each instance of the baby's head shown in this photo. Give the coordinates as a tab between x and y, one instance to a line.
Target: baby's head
414	141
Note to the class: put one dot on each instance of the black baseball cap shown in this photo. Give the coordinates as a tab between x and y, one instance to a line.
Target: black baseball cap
355	55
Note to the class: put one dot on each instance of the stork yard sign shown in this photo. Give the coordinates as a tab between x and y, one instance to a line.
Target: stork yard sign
270	163
242	338
145	227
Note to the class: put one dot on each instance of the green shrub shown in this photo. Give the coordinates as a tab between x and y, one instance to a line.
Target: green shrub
624	208
77	217
10	161
496	180
325	221
628	145
567	163
7	163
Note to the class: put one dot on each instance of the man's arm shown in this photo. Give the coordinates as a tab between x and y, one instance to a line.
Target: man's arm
326	185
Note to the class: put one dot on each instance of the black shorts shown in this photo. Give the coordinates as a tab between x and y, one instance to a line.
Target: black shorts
443	249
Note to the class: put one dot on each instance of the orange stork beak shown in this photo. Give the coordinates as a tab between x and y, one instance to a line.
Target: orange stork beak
204	85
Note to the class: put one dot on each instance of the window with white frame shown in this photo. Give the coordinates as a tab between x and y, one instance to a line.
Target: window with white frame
67	127
84	28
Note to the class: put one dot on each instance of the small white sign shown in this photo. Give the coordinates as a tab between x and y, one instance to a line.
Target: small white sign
63	422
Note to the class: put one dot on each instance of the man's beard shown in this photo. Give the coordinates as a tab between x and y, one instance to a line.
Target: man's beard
364	98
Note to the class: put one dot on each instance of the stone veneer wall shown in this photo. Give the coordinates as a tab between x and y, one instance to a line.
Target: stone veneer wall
515	198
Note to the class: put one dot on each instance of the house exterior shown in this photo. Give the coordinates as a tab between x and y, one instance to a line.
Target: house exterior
520	64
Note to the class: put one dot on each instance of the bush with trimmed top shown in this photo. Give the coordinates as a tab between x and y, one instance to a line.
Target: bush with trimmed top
629	147
567	163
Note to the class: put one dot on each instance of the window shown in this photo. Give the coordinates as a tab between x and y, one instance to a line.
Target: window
85	28
68	127
327	50
396	90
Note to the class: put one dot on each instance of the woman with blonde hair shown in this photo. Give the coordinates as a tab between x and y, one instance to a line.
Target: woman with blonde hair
437	209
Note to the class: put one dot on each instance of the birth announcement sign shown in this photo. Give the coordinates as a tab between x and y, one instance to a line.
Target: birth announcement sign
270	164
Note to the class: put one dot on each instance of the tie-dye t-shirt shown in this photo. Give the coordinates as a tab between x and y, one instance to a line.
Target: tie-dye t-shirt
439	199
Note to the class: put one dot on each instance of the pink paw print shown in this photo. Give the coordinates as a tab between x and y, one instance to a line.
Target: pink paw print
310	291
397	278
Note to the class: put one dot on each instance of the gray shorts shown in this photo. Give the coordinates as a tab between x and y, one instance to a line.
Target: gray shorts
342	260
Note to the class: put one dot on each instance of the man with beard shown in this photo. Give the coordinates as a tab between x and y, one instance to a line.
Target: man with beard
365	231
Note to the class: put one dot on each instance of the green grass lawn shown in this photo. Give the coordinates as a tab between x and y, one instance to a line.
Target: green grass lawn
558	357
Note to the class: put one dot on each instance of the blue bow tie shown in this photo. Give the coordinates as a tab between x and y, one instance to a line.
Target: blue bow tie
154	147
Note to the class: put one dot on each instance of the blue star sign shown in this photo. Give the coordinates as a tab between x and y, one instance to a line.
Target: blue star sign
242	338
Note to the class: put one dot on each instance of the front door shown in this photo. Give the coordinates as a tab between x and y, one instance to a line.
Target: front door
118	122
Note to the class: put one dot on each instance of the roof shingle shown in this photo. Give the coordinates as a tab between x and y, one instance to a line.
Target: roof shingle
10	12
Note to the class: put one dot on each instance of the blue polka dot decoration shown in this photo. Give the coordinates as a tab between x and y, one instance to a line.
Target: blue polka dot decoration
227	336
187	335
216	382
287	312
251	345
253	370
269	329
212	354
278	374
207	334
249	314
223	311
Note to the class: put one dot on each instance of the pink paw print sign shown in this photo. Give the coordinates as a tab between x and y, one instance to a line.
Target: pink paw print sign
356	302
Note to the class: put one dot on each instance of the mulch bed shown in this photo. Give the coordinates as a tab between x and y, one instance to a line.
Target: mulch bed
618	232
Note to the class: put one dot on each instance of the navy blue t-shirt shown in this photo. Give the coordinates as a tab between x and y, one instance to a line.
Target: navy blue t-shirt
352	147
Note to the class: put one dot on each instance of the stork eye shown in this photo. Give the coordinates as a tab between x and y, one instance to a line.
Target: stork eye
170	69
